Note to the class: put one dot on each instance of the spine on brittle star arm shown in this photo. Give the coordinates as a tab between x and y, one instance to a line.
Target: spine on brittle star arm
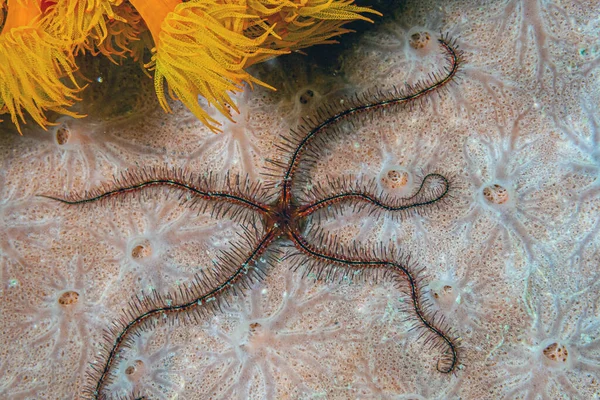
369	101
362	261
204	293
354	194
236	191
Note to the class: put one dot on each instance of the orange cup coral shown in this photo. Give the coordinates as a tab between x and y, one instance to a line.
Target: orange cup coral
199	47
32	65
198	55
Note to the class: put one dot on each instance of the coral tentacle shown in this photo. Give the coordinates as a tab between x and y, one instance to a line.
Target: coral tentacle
33	67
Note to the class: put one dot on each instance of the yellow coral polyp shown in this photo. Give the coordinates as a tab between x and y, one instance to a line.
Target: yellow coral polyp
304	23
198	55
83	23
127	35
32	64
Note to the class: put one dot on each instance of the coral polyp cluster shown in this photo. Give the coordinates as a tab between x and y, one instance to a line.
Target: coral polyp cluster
31	67
199	48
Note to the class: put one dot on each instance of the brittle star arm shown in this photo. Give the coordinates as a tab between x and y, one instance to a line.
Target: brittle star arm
449	360
422	197
378	101
202	293
143	180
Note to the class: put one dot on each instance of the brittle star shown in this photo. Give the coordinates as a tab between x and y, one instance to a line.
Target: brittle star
284	220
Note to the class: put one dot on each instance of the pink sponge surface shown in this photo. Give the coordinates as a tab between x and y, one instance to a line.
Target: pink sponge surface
510	261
